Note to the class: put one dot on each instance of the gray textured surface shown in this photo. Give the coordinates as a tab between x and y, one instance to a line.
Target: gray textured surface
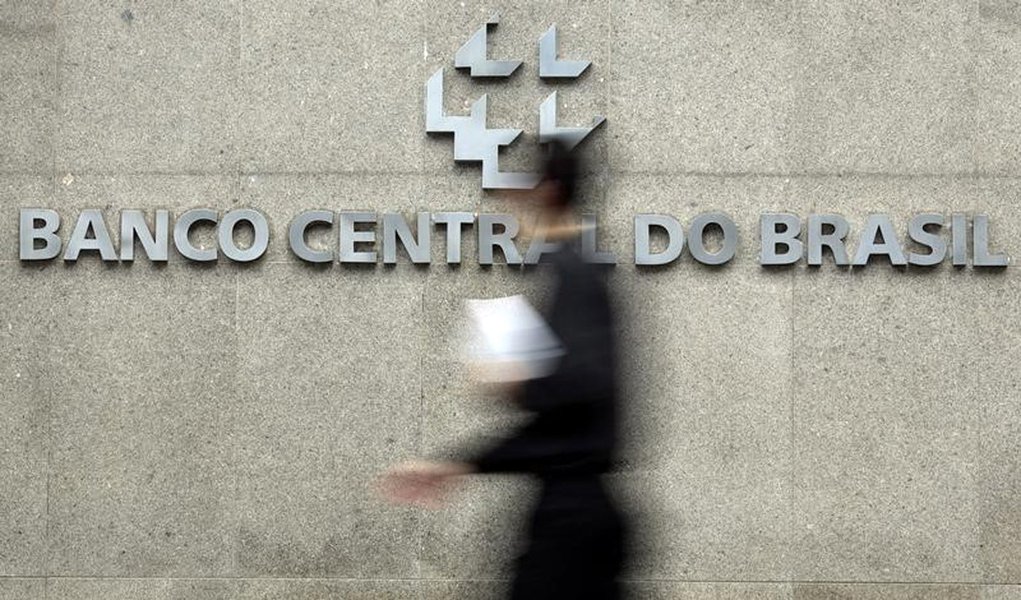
327	589
885	438
661	590
315	429
142	589
25	422
143	89
453	590
714	489
311	77
1001	592
886	592
193	433
22	589
142	458
28	56
1000	444
998	119
27	313
703	86
886	87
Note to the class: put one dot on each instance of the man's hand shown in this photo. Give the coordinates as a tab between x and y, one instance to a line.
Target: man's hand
498	372
421	483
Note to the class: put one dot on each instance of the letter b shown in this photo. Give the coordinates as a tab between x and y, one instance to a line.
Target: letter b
780	229
29	233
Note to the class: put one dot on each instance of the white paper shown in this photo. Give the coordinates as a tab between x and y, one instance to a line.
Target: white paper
509	340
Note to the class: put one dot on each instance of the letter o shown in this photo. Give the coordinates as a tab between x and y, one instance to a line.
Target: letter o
225	234
696	245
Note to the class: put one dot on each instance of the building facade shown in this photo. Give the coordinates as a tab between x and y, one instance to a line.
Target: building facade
198	430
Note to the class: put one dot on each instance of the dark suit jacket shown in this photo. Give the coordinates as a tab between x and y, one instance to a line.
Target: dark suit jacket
572	430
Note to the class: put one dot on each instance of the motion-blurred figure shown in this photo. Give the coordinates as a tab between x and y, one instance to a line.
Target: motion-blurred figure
575	545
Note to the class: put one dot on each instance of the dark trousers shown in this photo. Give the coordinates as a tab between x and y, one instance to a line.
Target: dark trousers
576	544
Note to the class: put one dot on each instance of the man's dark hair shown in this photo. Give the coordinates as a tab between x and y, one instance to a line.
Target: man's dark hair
561	168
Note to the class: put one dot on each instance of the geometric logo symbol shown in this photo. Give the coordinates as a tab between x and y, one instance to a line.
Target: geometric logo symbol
473	140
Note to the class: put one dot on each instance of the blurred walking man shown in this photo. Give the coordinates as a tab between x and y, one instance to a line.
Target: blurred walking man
576	534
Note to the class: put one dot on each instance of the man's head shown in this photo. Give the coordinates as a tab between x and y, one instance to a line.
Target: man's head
559	175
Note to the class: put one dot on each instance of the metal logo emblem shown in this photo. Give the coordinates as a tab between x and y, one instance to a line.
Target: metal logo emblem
473	141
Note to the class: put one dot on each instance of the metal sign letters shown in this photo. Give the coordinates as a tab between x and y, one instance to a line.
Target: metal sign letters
358	236
475	142
365	237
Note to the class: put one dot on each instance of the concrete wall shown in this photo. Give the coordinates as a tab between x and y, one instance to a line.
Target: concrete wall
196	433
